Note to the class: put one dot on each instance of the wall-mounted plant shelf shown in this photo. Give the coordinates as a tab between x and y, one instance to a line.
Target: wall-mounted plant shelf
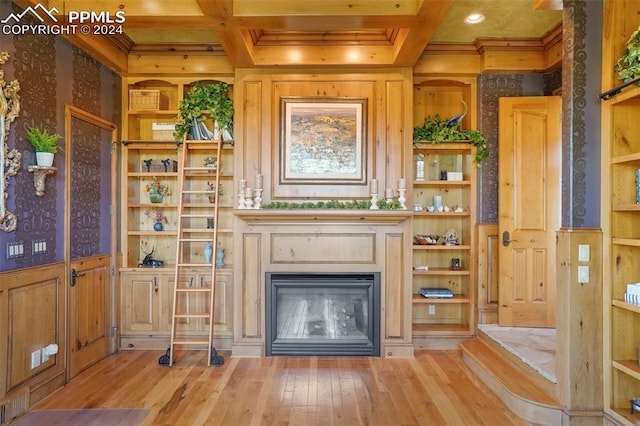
39	173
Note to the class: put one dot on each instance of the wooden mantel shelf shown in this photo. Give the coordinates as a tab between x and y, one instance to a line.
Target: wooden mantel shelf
322	215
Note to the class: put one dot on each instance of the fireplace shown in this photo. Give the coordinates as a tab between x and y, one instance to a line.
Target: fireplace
322	314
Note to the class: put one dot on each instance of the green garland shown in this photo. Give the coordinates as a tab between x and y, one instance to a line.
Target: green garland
628	65
333	204
436	130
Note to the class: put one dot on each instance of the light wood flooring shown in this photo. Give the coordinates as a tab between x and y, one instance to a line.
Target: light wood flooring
434	388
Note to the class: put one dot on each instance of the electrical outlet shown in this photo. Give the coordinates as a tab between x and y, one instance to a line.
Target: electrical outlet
35	359
432	309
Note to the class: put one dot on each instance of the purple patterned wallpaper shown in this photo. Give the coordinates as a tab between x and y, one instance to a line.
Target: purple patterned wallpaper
52	73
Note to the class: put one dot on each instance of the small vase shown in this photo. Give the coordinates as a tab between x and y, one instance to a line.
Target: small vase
155	198
220	258
212	199
208	252
158	226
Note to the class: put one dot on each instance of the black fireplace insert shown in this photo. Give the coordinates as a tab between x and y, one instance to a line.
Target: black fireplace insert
331	314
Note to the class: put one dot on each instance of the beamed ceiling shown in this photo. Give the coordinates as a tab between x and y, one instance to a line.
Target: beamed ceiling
304	33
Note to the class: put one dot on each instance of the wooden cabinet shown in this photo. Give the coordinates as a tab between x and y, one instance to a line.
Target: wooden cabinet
441	207
147	299
621	220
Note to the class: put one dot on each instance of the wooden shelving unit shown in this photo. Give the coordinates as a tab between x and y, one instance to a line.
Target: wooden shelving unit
445	316
621	220
147	293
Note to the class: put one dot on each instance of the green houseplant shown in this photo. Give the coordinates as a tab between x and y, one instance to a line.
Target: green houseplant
44	144
436	130
203	97
628	65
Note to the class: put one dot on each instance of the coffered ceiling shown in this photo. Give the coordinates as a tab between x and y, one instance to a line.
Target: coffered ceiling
282	33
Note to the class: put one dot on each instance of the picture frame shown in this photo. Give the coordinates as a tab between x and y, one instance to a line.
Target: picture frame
323	141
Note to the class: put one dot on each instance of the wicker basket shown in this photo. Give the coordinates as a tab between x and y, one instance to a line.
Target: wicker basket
147	100
162	131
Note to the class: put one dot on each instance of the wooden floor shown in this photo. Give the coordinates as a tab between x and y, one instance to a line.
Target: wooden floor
434	388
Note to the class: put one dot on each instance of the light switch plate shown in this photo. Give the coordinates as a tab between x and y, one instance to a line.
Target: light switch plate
583	253
583	274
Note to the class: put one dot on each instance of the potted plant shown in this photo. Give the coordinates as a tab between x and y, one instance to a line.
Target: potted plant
211	162
214	191
156	190
628	65
159	219
44	144
203	97
436	130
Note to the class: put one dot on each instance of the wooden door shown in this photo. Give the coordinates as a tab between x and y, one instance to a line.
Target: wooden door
89	312
530	154
90	242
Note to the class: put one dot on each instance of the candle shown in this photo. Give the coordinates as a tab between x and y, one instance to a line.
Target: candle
437	202
243	184
248	193
258	181
402	184
389	193
374	186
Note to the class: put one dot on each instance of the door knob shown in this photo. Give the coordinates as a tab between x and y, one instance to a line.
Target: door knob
75	275
506	239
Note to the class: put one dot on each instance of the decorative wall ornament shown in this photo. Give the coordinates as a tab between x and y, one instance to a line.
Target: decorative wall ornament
9	160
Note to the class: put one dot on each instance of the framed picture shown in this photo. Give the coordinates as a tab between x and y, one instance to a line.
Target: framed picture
323	141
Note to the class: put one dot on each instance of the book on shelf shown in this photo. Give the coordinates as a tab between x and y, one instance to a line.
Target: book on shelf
436	292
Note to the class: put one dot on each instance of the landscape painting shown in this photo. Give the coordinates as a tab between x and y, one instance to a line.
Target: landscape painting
322	140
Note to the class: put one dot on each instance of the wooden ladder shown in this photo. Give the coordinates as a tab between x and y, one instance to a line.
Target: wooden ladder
197	230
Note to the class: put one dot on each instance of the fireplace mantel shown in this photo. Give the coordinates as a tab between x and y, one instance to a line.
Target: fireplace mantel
326	241
322	215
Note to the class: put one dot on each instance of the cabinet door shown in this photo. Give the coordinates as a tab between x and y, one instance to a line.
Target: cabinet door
187	302
222	302
140	301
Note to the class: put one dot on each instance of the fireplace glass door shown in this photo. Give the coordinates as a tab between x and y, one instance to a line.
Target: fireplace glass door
323	314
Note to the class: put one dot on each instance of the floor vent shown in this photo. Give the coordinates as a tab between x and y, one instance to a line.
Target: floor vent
15	406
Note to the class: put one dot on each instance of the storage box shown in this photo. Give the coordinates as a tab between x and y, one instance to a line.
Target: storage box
147	99
162	131
454	176
158	165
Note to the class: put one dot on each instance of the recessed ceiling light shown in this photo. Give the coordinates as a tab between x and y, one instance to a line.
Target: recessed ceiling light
474	18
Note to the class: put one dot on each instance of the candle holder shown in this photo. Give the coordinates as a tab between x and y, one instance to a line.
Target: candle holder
402	199
248	201
241	200
374	202
258	200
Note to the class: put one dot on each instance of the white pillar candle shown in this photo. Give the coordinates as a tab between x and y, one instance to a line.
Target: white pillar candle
258	181
388	193
374	186
243	184
402	184
248	193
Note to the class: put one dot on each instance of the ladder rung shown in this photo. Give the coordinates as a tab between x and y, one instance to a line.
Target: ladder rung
190	342
194	290
195	240
200	169
193	265
197	191
198	315
195	216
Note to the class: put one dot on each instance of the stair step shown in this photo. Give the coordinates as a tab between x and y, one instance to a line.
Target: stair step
515	388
